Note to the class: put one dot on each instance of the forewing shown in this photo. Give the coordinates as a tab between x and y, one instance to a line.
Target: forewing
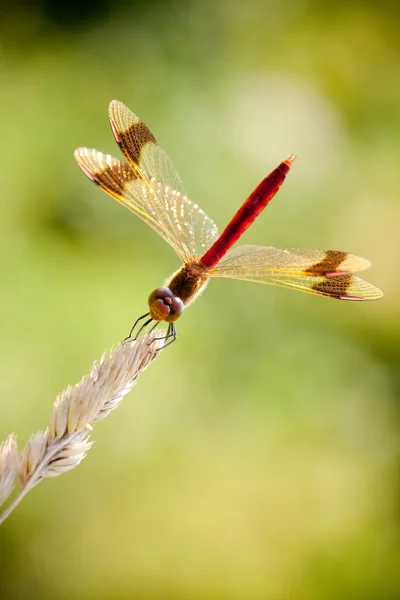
169	212
321	272
139	146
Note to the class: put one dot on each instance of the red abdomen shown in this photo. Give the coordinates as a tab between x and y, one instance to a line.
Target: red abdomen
254	204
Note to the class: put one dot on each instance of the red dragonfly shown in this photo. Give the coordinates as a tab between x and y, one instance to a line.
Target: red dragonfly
149	186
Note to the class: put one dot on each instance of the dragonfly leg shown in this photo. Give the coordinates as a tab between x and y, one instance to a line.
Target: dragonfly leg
171	333
142	327
128	337
154	326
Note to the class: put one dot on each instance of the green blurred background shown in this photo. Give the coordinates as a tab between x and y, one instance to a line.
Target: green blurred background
258	457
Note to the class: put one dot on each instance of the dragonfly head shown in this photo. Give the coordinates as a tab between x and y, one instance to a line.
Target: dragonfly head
164	306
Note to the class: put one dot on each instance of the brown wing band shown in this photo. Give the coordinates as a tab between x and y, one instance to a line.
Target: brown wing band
114	178
336	287
133	139
329	265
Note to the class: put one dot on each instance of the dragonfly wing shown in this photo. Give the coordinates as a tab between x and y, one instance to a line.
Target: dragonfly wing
139	146
169	212
321	272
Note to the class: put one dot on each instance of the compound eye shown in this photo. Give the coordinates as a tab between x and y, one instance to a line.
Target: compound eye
160	310
164	306
177	307
161	292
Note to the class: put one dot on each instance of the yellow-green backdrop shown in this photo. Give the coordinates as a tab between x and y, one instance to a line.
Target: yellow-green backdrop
257	459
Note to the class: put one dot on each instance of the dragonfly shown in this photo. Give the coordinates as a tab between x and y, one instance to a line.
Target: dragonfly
149	186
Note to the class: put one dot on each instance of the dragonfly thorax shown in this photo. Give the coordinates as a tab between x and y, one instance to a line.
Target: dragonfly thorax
166	303
188	282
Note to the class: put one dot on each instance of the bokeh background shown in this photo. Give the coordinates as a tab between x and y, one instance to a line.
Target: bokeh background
258	457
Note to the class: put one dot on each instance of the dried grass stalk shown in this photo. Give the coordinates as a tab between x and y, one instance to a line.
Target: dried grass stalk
8	466
66	440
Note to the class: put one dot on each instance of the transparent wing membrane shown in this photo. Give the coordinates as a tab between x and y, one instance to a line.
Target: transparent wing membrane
170	213
148	185
321	272
139	146
265	259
